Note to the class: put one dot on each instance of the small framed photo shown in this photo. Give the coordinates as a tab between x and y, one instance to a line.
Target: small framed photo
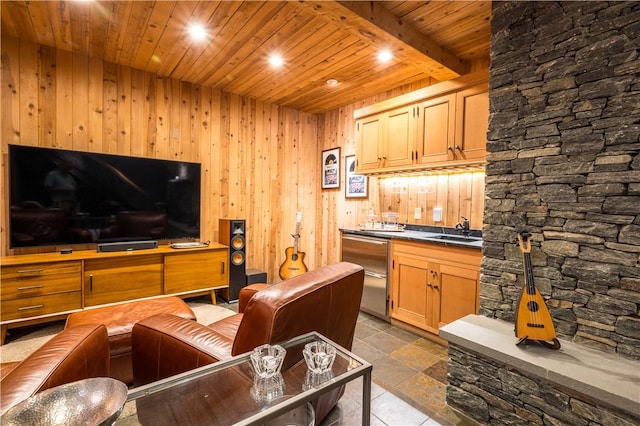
355	185
331	168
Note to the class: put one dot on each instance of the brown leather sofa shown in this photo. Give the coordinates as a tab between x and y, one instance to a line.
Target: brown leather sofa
326	300
74	354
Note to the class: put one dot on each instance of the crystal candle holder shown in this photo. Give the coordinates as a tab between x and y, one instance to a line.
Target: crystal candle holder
319	357
267	360
265	390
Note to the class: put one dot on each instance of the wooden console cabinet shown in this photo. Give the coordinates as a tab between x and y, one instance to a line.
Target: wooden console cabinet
43	287
432	284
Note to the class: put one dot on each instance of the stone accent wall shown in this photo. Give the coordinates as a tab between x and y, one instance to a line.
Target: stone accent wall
493	393
564	164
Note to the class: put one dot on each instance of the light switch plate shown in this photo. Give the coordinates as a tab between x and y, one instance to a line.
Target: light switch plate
417	213
437	214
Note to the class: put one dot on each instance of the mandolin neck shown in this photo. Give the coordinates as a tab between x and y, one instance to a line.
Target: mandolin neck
530	286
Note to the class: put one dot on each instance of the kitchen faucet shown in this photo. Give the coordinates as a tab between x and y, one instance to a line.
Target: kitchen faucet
464	226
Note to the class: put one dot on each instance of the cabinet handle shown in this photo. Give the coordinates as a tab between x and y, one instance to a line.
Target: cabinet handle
31	271
27	308
31	287
458	148
223	267
435	287
429	285
450	149
90	282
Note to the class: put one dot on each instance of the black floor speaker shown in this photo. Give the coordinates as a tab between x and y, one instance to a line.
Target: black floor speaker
233	233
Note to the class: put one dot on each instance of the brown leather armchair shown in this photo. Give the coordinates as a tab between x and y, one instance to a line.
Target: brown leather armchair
326	300
40	226
137	224
74	354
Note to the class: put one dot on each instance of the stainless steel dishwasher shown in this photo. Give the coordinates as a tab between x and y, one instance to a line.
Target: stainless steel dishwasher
373	255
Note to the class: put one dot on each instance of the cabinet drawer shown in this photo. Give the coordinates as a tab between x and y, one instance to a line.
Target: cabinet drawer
39	270
194	271
41	305
40	279
117	279
19	288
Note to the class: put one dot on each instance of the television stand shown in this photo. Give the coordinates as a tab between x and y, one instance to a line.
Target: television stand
44	287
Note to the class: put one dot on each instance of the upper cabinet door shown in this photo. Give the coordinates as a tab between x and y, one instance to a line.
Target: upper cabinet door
369	143
472	123
400	137
436	128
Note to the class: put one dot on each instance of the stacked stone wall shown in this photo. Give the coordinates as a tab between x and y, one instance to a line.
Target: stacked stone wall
496	394
563	163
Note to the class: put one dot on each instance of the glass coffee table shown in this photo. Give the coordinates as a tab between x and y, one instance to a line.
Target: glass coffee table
224	393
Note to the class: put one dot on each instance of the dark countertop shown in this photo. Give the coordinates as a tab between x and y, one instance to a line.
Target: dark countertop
425	234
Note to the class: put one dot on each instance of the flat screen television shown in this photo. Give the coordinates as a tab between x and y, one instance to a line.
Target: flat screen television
60	197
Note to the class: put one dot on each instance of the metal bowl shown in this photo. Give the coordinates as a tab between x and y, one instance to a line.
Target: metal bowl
95	401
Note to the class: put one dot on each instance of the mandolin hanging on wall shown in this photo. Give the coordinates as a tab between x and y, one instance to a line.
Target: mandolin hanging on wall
533	321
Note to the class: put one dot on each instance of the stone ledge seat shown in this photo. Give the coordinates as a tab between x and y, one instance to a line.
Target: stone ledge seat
119	320
601	376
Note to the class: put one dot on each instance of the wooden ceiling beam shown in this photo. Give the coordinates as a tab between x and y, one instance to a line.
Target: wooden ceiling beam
370	20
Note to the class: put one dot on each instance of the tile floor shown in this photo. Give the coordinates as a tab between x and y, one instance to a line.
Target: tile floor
409	379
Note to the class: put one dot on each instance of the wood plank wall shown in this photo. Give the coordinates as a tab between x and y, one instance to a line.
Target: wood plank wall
260	161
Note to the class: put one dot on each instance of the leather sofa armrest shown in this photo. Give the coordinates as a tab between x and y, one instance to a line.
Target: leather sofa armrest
246	293
164	345
75	353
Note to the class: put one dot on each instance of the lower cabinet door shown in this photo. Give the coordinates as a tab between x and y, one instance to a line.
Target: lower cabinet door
119	279
200	270
409	288
458	293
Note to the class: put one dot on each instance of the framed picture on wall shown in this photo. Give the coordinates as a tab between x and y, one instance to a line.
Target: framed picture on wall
355	185
331	168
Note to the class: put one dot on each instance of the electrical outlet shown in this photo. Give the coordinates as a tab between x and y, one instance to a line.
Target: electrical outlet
417	213
437	214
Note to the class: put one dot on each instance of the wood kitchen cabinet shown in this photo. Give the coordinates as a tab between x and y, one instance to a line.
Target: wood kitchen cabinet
432	284
454	127
443	129
386	140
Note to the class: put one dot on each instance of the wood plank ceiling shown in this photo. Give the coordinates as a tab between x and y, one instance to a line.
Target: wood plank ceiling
318	40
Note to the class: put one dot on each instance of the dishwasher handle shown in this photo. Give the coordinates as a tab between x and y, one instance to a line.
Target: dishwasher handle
371	240
375	275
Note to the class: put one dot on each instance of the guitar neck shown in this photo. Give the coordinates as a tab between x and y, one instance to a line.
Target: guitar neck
295	238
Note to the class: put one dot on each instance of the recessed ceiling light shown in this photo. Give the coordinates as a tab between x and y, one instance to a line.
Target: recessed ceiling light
197	32
332	82
276	61
385	56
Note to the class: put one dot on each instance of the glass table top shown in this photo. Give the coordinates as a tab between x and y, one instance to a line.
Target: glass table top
228	393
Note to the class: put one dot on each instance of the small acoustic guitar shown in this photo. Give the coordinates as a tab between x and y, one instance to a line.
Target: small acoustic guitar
294	260
533	321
